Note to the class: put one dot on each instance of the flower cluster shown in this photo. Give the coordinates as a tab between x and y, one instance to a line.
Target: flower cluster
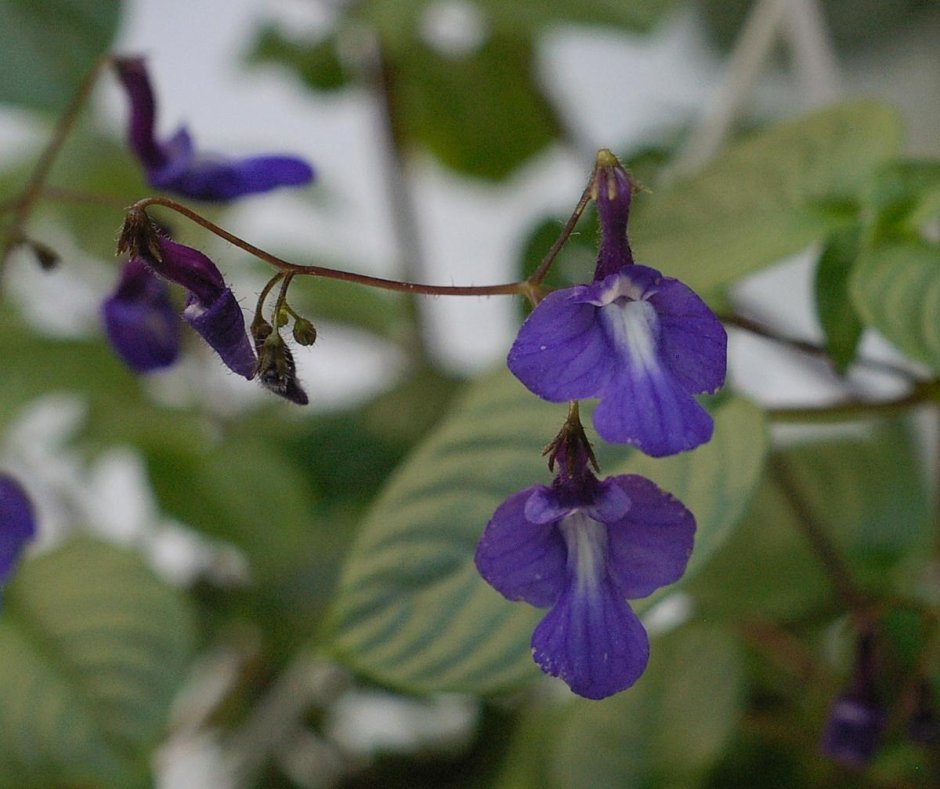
139	318
643	344
17	524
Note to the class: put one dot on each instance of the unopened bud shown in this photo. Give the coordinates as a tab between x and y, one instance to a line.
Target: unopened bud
46	256
277	372
138	237
305	333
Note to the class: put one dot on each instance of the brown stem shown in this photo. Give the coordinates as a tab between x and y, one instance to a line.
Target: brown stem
853	409
34	187
839	574
809	348
505	289
540	273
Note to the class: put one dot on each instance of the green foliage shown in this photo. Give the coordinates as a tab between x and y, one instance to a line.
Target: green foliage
41	64
863	491
896	289
317	65
840	323
766	197
668	729
411	609
92	650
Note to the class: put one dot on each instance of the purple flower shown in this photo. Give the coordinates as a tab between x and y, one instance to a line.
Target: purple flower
581	548
17	524
211	308
140	320
853	730
643	343
857	718
173	165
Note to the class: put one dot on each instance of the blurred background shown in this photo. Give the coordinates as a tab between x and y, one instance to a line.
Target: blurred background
451	141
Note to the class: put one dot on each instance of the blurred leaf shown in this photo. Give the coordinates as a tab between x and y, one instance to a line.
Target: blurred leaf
35	366
480	113
906	196
317	65
866	493
46	48
896	290
93	649
396	21
411	609
840	323
764	198
241	489
667	729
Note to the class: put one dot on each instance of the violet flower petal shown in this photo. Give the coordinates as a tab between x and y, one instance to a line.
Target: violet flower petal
140	320
650	545
222	324
592	640
17	524
520	559
175	166
190	268
561	352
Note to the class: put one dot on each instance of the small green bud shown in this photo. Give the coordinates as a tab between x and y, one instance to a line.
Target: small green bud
305	333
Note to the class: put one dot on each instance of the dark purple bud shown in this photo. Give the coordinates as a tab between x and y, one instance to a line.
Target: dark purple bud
175	165
17	524
221	323
853	731
140	320
612	190
857	718
924	725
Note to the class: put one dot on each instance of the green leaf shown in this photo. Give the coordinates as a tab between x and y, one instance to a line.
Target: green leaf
35	366
668	729
317	65
92	651
411	609
241	489
480	114
46	48
896	290
906	196
867	496
840	323
769	196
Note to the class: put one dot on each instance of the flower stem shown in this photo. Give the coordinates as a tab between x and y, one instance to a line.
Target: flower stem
27	199
504	289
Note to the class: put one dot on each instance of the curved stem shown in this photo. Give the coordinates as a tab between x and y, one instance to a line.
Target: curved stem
509	288
542	270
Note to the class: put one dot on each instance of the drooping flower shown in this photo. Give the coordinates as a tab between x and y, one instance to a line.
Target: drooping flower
17	524
175	166
641	342
857	718
140	320
211	308
582	547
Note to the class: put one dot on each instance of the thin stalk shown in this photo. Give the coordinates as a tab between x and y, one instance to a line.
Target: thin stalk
34	188
504	289
839	574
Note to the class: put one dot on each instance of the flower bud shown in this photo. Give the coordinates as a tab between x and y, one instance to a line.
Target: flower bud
305	333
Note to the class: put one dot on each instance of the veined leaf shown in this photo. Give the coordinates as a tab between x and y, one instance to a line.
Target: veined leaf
766	197
92	650
411	609
896	289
